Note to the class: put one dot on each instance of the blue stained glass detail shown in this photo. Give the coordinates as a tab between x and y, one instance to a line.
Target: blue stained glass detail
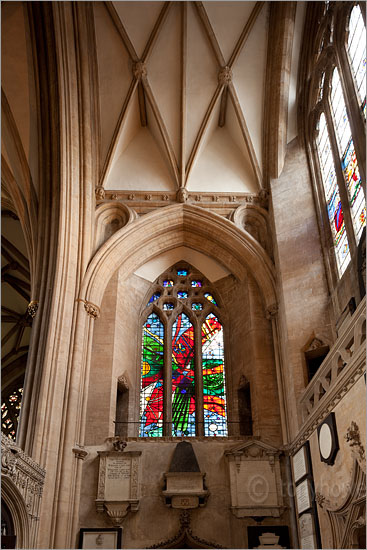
155	297
196	284
182	272
167	306
196	306
182	294
211	299
167	283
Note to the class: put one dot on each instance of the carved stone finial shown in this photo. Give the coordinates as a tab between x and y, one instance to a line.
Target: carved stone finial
272	311
140	70
353	437
225	76
32	308
182	195
100	194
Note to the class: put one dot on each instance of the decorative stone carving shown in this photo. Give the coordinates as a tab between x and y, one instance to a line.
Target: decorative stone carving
148	197
140	70
92	310
182	195
32	308
254	220
225	76
272	311
184	483
185	538
263	199
100	193
353	437
131	197
110	217
255	480
118	481
123	383
165	198
80	452
20	471
114	196
315	344
198	198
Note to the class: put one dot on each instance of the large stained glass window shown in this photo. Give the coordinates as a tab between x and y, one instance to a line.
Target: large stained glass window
10	410
183	375
357	53
173	400
215	422
151	396
348	157
334	206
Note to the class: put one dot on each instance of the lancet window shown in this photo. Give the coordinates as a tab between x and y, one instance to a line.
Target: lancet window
183	390
338	103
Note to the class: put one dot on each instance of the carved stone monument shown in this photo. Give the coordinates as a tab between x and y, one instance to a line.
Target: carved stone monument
118	482
256	486
184	482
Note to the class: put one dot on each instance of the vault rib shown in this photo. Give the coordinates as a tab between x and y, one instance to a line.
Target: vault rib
155	32
245	133
183	92
210	33
245	33
163	130
122	31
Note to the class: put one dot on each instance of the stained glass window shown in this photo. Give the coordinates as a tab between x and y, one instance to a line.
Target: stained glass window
155	297
209	297
172	371
10	410
215	423
357	53
183	373
151	397
348	157
334	206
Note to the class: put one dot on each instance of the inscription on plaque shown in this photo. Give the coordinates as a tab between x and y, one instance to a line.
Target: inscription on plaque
299	464
118	475
303	496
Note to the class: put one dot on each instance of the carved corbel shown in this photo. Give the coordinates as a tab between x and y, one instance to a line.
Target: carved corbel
100	193
91	309
80	452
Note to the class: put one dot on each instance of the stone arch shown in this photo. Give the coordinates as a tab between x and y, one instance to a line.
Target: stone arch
171	227
18	510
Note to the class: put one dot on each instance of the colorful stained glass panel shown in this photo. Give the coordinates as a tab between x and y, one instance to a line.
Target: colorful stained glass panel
155	297
211	299
168	306
348	157
334	206
183	387
167	283
182	294
196	306
215	423
151	395
10	410
357	53
182	272
196	284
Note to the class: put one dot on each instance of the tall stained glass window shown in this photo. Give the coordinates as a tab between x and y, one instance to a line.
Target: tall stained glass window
348	156
357	53
151	396
334	205
213	377
183	377
193	334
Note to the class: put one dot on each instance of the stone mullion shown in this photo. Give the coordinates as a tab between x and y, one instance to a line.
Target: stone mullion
340	179
167	379
199	409
356	121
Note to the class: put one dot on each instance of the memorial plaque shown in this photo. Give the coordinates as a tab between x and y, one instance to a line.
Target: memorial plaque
118	475
299	464
303	496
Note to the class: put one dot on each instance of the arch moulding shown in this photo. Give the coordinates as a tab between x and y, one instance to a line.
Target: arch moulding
179	225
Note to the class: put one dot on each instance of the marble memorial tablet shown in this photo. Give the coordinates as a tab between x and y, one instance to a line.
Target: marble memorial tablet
303	496
299	464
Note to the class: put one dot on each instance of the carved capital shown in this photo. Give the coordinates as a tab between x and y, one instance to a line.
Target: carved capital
80	452
272	311
140	70
182	195
225	76
32	308
100	193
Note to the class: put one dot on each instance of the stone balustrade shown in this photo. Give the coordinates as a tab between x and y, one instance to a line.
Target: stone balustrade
22	482
341	368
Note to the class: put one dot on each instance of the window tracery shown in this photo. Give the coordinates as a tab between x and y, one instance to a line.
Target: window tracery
338	74
182	361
